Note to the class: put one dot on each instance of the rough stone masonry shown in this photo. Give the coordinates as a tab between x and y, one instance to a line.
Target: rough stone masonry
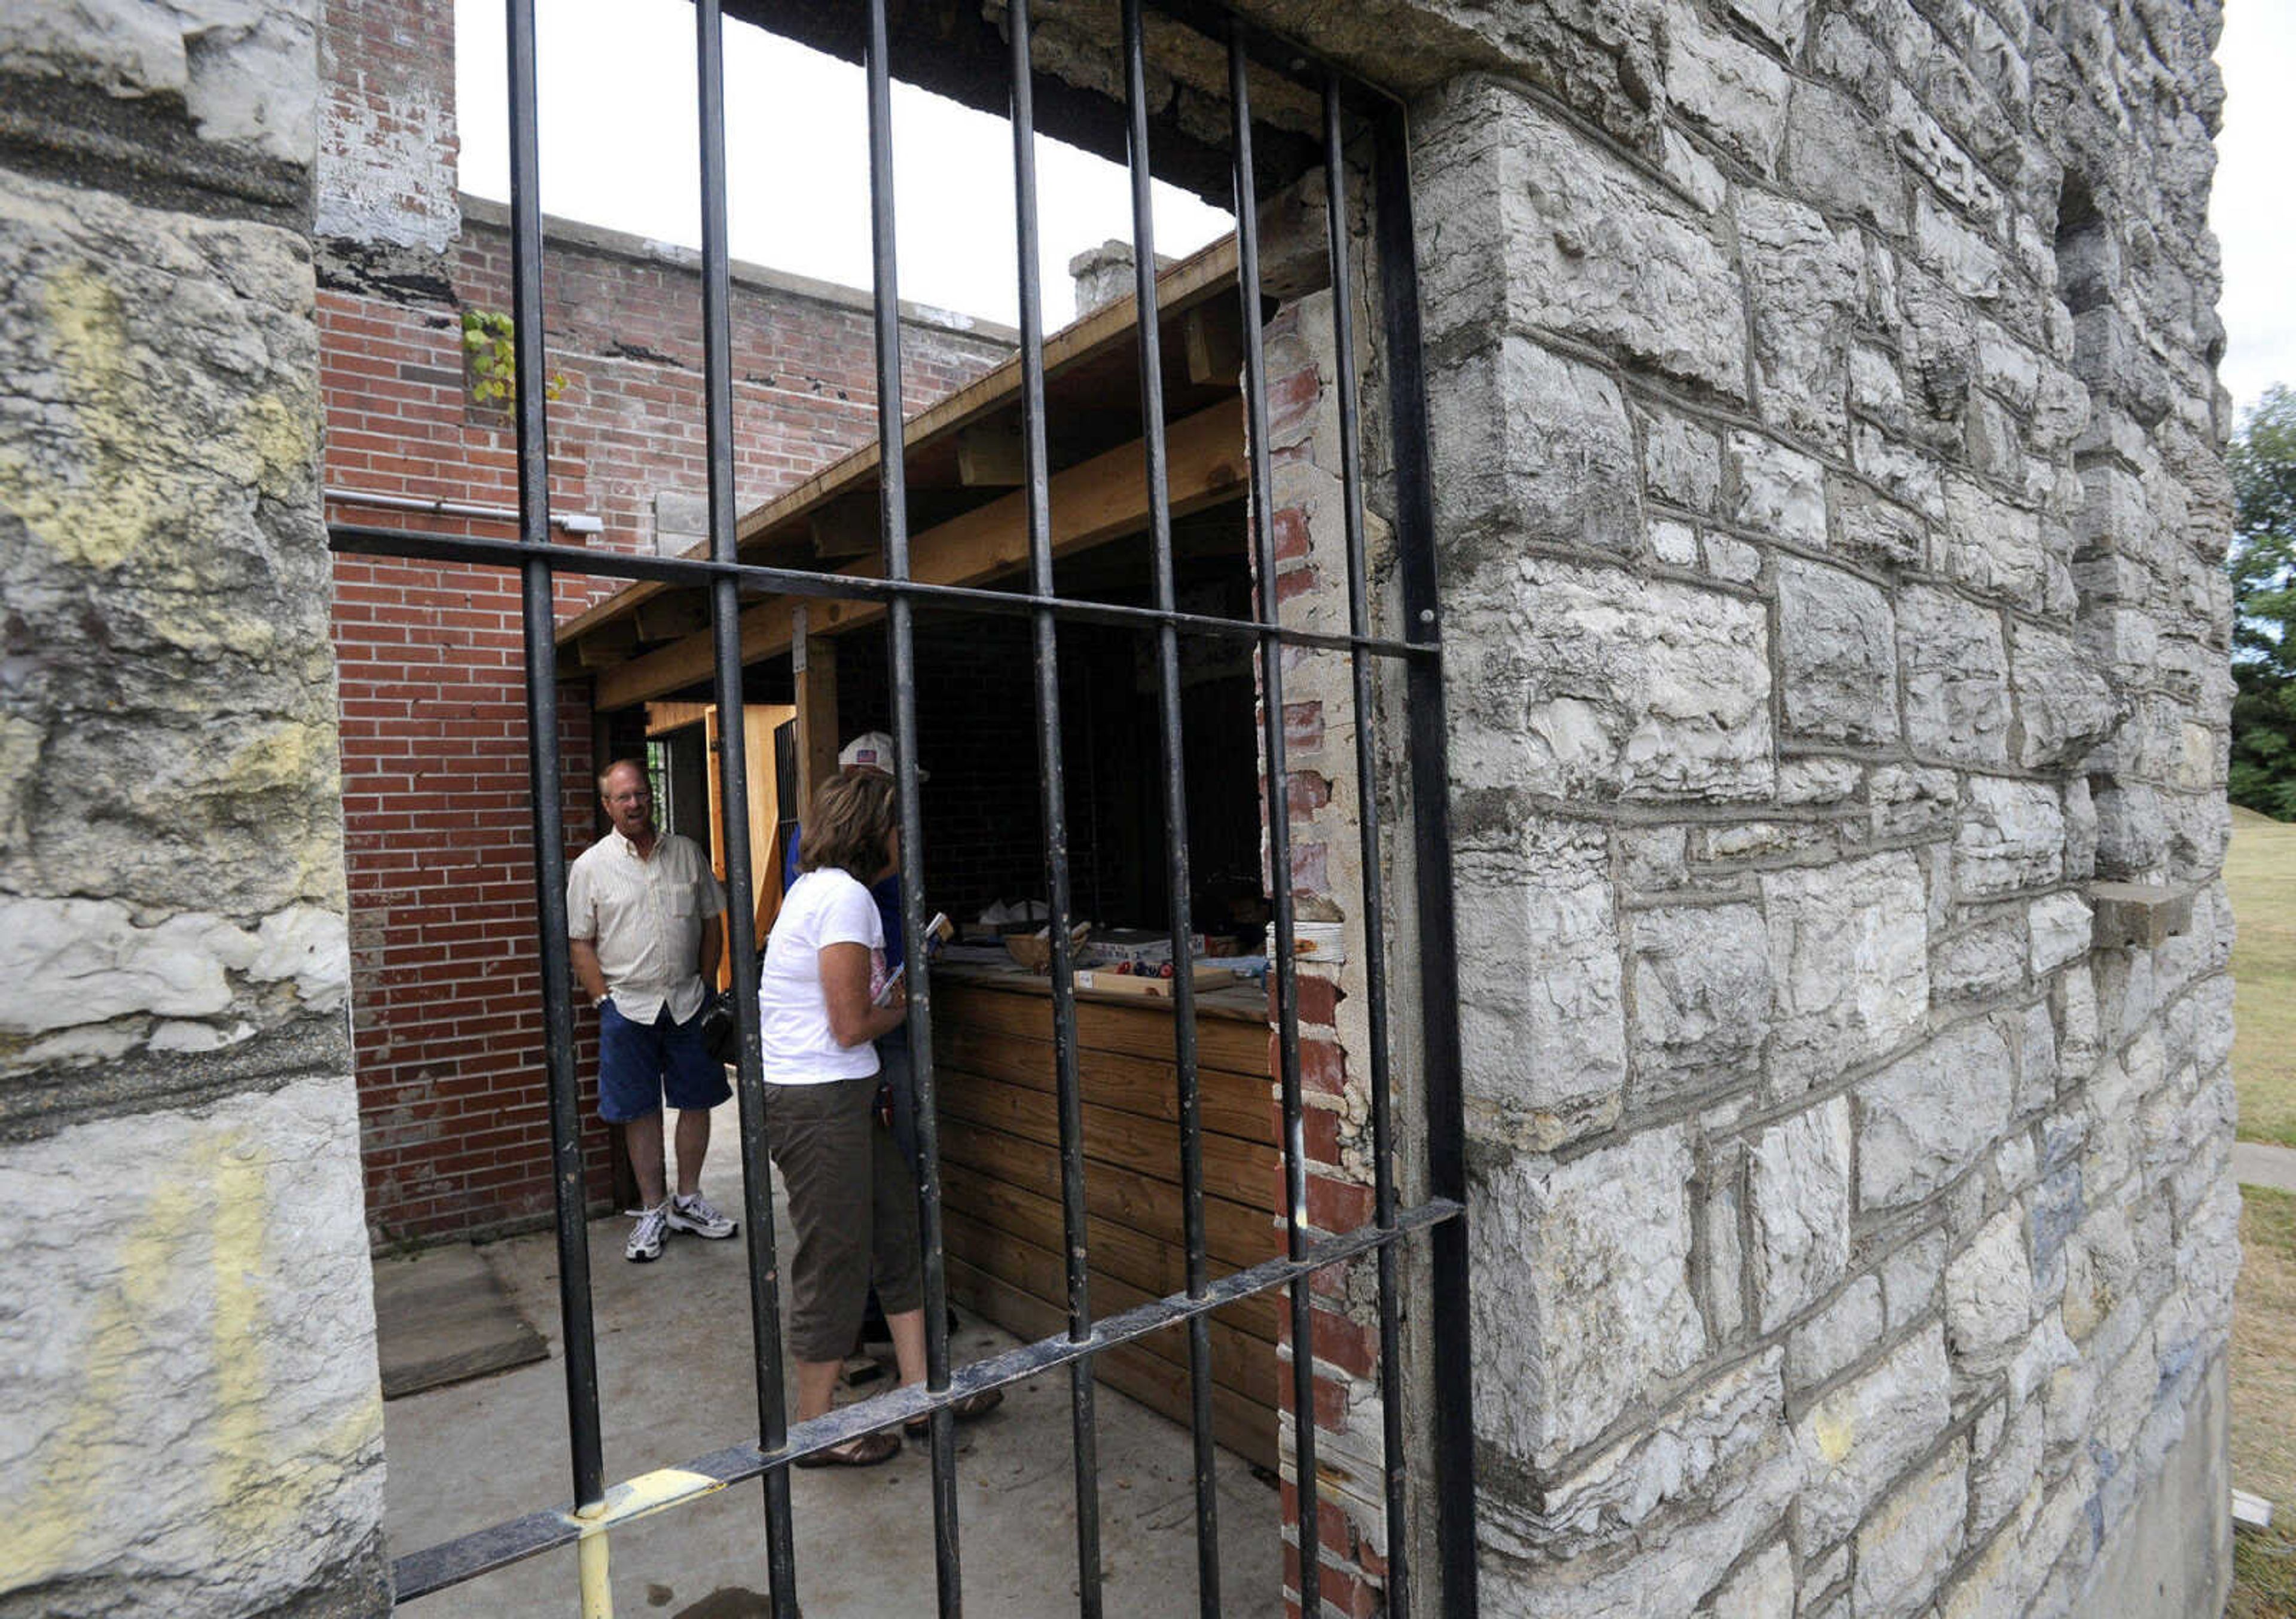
193	1424
1832	508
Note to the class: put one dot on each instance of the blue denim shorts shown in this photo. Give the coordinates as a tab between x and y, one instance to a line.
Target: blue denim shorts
639	1064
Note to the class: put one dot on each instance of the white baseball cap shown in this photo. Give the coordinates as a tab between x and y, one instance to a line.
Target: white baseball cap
872	750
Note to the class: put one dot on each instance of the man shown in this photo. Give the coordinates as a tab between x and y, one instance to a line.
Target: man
646	919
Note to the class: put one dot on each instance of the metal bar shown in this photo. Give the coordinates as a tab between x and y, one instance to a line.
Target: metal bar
418	1574
1037	477
1279	835
1176	804
352	540
1394	1461
572	523
545	771
1438	974
734	788
892	488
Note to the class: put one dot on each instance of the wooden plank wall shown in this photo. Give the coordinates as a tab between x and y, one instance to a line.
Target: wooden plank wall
1001	1187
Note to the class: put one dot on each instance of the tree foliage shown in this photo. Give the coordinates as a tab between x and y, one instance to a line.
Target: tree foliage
2263	566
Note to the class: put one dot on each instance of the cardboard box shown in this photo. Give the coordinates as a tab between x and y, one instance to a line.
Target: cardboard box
1145	986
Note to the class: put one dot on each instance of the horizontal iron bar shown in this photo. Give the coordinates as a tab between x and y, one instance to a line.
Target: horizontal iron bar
359	540
418	1574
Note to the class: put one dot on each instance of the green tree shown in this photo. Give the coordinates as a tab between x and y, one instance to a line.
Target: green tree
2263	566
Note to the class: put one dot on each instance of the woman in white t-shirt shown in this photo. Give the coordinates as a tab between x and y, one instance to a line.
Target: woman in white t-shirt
852	1199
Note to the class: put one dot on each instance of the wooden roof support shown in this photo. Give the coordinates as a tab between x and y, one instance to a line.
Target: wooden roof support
1096	501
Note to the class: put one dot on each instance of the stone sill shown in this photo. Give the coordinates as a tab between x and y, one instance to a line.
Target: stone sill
2138	915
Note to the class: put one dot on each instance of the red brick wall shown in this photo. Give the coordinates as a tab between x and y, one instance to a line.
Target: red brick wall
446	1000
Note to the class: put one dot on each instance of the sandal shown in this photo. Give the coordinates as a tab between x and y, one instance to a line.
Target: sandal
965	1410
864	1451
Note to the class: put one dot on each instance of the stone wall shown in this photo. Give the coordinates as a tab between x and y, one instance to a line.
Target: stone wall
1831	508
1829	493
186	1360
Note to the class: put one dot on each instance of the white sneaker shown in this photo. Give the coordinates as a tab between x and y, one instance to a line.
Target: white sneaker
645	1237
695	1214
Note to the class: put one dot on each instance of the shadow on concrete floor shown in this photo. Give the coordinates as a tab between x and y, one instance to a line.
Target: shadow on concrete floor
675	1381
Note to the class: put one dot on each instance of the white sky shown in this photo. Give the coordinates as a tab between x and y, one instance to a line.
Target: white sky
619	148
2253	207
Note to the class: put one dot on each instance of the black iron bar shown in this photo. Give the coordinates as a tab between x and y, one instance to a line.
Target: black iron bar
892	488
1284	924
450	1562
1448	1324
734	787
545	770
1176	806
1394	1460
354	539
1036	478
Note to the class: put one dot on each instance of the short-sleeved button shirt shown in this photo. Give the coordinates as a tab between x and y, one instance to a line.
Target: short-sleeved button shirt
643	915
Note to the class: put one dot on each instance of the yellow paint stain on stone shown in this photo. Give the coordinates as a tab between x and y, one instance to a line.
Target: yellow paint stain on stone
284	756
1836	1433
210	1208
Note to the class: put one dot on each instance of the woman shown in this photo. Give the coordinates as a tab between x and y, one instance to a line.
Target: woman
852	1202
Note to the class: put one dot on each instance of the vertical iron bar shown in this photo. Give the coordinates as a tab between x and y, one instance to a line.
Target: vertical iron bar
1069	1089
1306	1494
544	768
734	787
1439	969
893	515
1176	804
1375	917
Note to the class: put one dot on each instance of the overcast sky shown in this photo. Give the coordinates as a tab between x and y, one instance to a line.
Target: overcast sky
620	149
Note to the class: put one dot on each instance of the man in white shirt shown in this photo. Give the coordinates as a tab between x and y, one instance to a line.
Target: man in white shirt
646	920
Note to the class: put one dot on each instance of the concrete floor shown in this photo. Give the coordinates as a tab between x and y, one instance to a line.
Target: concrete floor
675	1381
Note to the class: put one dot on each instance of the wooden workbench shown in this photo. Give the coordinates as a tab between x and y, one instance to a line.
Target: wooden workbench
1001	1177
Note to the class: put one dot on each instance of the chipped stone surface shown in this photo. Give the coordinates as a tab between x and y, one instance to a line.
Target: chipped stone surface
1926	1117
1582	1296
1798	1189
1956	678
1905	1548
1849	964
1989	1295
1701	997
1861	1436
1838	655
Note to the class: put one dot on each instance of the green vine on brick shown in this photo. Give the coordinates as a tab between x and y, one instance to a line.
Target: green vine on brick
490	360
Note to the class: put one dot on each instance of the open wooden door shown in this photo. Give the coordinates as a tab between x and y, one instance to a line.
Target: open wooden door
758	722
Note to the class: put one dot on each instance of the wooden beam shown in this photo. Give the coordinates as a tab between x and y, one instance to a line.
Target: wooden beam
1209	274
1215	347
608	644
989	455
1099	500
671	617
815	665
845	529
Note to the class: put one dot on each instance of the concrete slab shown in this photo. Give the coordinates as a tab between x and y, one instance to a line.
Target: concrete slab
676	1380
442	1315
2259	1163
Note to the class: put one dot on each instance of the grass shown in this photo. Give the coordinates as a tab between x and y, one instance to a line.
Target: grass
2260	875
2263	1392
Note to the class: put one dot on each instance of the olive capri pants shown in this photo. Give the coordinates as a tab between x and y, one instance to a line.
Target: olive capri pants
853	1206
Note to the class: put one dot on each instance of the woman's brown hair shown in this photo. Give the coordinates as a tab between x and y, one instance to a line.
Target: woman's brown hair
851	826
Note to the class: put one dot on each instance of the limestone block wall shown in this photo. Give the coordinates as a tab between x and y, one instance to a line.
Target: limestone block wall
186	1363
1828	486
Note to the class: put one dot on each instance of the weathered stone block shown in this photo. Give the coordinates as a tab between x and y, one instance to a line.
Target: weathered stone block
2060	926
1982	963
1913	1538
2064	705
1992	545
1530	445
1781	492
1803	279
1580	682
1545	232
1733	91
1762	1588
1989	1295
1582	1297
1849	964
1542	1018
1702	993
1838	157
1956	675
1861	1436
1835	1337
1682	459
2012	837
1798	1189
1925	1118
211	1293
1838	655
